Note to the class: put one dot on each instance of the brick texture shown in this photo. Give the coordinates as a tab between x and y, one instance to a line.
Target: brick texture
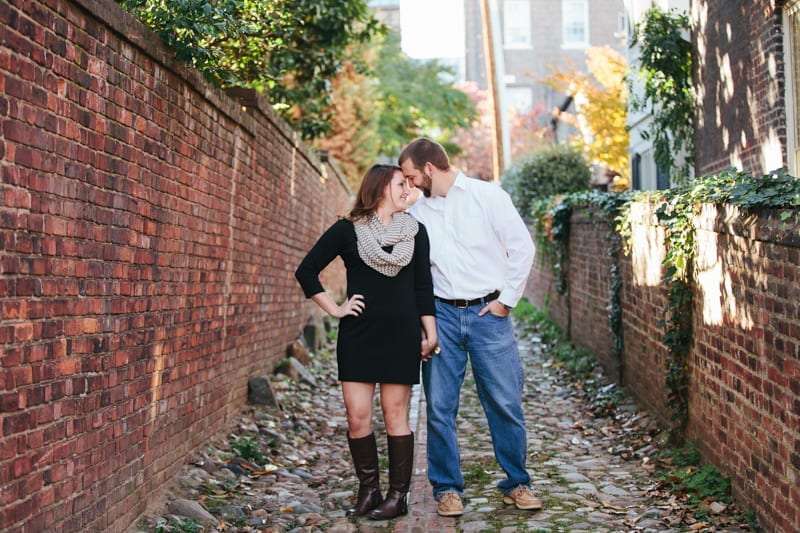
739	68
744	367
150	227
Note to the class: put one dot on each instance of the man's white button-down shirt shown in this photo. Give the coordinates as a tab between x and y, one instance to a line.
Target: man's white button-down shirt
479	243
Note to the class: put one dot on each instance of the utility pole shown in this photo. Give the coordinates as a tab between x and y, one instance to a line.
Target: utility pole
495	66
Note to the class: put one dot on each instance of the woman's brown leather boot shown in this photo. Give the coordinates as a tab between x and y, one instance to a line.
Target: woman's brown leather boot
401	461
365	458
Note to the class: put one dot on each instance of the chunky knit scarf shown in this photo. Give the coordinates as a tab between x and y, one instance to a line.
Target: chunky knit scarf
372	237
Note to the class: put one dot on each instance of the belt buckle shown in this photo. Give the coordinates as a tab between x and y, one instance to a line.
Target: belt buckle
461	304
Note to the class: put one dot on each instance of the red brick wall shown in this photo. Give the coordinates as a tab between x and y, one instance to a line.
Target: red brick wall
644	297
739	68
541	288
150	227
589	267
581	312
744	369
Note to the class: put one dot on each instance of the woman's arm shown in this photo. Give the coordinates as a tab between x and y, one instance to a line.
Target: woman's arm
430	339
352	306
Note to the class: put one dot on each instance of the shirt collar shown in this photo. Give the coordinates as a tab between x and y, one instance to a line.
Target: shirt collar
438	202
460	181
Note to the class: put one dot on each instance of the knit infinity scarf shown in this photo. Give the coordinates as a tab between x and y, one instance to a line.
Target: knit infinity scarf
372	237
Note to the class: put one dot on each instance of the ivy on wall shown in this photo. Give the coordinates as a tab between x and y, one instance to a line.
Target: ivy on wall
675	212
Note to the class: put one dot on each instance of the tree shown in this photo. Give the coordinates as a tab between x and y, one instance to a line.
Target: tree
475	141
292	48
601	109
528	134
353	142
379	109
558	169
417	97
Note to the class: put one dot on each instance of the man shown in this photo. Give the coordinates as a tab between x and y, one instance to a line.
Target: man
481	255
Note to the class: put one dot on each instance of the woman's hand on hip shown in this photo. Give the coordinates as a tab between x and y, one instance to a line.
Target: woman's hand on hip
353	306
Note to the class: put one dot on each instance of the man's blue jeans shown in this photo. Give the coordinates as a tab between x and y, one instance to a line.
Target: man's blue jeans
491	346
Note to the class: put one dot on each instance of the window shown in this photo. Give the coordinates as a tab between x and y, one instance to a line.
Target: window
517	24
575	23
791	34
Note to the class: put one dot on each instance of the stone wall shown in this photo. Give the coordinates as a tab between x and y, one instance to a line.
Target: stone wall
744	367
150	227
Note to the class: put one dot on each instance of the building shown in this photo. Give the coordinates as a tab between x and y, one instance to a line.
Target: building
745	69
538	36
746	85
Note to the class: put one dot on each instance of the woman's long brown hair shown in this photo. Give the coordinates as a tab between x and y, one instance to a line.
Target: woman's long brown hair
370	193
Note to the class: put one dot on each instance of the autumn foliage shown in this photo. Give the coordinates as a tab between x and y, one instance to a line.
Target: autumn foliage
601	108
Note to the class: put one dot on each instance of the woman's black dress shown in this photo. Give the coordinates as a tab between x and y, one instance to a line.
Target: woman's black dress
383	343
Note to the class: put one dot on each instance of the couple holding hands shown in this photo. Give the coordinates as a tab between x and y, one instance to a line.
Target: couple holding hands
431	284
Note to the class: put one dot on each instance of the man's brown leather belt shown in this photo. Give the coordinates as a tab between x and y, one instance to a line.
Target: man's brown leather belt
463	304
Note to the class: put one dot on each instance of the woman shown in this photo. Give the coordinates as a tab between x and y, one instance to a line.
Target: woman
389	310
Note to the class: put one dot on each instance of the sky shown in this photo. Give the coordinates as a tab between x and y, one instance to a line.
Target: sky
432	28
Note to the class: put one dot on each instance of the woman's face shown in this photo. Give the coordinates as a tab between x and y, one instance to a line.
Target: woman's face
395	196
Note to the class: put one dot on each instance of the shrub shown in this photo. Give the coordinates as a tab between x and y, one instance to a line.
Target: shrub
556	170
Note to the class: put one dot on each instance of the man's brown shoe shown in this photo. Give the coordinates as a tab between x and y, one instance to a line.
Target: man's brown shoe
523	498
450	504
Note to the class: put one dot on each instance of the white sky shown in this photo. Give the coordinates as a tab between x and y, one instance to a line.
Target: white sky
432	28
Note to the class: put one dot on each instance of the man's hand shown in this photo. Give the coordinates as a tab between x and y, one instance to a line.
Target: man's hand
496	308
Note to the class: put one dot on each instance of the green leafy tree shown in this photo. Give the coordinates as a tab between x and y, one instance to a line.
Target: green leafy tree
417	97
379	109
292	48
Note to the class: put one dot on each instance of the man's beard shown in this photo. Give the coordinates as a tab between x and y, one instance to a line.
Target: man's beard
427	183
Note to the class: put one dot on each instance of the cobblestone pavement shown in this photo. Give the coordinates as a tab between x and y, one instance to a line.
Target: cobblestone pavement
592	474
575	460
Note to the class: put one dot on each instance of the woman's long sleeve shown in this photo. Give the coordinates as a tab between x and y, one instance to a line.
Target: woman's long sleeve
326	249
423	282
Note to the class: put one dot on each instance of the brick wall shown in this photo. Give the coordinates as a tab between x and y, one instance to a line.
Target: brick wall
589	281
744	369
541	288
150	226
739	68
643	299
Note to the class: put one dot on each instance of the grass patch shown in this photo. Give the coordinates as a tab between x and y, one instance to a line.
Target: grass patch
476	475
250	449
175	525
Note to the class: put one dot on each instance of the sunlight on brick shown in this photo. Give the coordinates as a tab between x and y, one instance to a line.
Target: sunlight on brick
715	282
647	247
